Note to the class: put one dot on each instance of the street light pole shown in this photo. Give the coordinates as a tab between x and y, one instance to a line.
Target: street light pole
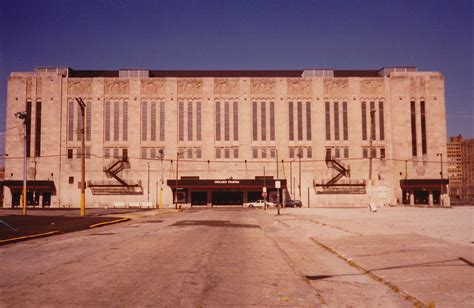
278	188
83	156
299	175
161	180
176	188
441	173
24	116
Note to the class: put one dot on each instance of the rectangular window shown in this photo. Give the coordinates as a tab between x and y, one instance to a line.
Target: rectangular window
116	153
218	153
162	121
70	123
263	120
236	120
198	153
300	120
365	152
70	153
413	128
38	130
227	153
272	121
152	153
254	121
236	152
382	153
264	153
423	128
181	121
190	121
381	122
88	153
144	121
226	121
309	153
79	123
28	128
292	153
254	153
190	153
336	120
125	154
372	120
374	153
328	153
106	153
272	153
71	180
144	153
88	121
308	120
153	122
218	121
291	124
125	121
364	121
345	128
328	121
107	121
78	153
198	122
346	152
116	121
300	152
337	153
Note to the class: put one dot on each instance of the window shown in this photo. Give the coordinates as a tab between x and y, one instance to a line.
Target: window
272	121
144	121
382	153
336	121
88	153
328	121
125	121
153	122
198	121
70	124
107	121
181	121
198	153
345	129
254	153
291	121
373	153
38	130
125	154
116	121
300	152
226	121
227	153
218	153
78	153
309	153
71	180
423	128
292	153
337	153
236	120
300	120
272	153
346	152
70	154
365	152
308	120
328	153
218	121
372	120
381	122
88	121
263	120
264	153
116	153
143	153
236	152
190	121
107	153
254	121
364	121
152	153
190	153
162	121
413	128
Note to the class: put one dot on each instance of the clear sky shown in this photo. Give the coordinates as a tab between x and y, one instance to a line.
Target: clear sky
432	35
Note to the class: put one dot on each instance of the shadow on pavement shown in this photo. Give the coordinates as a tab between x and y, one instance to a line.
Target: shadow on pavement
212	223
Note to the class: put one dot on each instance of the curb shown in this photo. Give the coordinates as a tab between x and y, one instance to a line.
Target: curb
105	223
27	237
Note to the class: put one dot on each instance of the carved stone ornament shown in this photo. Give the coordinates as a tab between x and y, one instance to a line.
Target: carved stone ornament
263	86
190	87
29	86
371	87
115	86
226	86
152	86
79	86
336	86
299	87
420	171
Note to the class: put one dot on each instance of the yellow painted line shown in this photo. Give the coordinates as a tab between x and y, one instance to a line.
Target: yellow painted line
26	237
100	224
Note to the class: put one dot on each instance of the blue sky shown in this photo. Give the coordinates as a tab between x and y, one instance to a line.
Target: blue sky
261	34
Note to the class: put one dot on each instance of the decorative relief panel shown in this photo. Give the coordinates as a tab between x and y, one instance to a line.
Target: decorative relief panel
190	86
153	86
371	87
299	87
114	86
29	87
78	87
226	86
336	86
263	86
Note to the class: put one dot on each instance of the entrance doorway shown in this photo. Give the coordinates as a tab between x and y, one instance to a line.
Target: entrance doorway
227	198
198	198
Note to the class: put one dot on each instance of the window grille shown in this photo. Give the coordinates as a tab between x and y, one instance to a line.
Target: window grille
143	153
346	152
381	121
336	121
328	121
144	121
254	153
116	121
70	125
236	152
300	120
38	130
364	120
272	121
292	153
190	121
263	123
198	153
423	128
198	122
116	153
413	128
181	121
218	121
107	153
125	121
218	153
372	121
345	127
254	121
308	121
153	122
79	123
227	153
107	121
236	121
291	121
309	153
88	121
264	153
190	153
226	121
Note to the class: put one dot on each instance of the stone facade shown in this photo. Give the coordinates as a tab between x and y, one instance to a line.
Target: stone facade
228	124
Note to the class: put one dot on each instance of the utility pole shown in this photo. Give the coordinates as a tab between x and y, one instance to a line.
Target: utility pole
83	155
148	184
299	175
24	116
277	179
161	180
372	114
176	189
441	192
291	177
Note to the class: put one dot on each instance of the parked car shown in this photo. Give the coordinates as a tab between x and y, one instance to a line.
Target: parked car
293	203
260	203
